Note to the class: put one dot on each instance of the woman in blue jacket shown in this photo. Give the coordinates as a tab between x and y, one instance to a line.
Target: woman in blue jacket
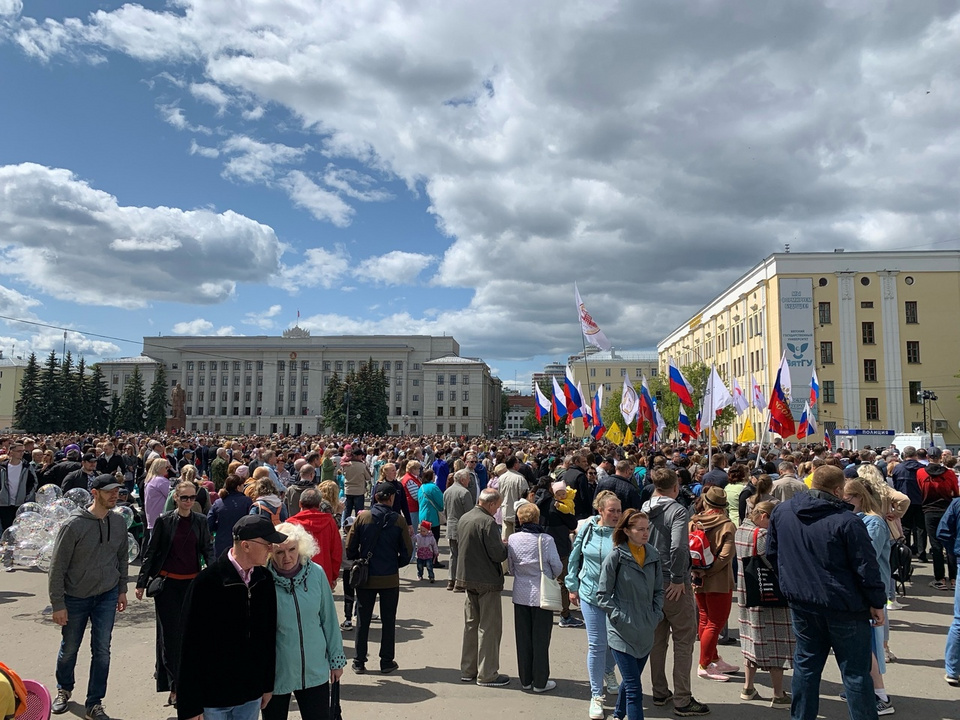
631	594
309	643
593	543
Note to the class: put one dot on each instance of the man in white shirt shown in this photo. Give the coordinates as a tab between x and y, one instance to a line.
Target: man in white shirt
18	484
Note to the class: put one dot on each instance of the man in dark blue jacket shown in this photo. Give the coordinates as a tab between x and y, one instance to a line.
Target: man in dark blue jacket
829	574
904	478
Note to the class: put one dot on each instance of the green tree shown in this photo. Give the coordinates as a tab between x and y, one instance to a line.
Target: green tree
113	419
49	405
69	418
96	408
79	390
133	404
333	404
27	415
157	401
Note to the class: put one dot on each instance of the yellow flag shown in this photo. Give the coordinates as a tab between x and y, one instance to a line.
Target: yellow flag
628	438
747	434
614	434
713	438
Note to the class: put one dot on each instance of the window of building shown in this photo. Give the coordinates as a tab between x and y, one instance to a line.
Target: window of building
441	378
339	366
224	380
453	379
304	364
653	372
398	365
416	366
246	396
873	408
916	387
200	396
607	387
259	365
202	365
465	395
593	372
248	380
282	365
464	428
453	411
869	370
823	311
280	380
259	397
826	355
439	412
236	380
246	410
248	365
866	333
279	409
910	312
259	380
607	372
465	379
439	427
453	396
466	411
399	396
351	365
439	395
866	305
913	351
116	379
326	364
126	378
189	410
827	392
453	427
303	396
189	364
623	372
223	410
416	383
416	398
593	388
303	381
280	396
203	379
236	397
303	411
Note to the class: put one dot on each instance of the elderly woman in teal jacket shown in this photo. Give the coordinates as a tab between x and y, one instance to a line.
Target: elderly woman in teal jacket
309	643
631	593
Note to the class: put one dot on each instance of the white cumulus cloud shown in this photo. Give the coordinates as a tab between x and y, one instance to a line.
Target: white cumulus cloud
394	268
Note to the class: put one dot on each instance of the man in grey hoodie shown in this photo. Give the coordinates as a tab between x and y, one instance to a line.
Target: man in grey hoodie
88	582
670	535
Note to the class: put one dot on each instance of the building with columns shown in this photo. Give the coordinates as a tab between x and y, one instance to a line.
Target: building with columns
263	385
879	327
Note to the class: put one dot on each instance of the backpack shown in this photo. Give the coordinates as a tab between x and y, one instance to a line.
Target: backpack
701	555
901	564
264	509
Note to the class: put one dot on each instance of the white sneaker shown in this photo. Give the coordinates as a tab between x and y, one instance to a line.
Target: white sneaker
610	681
596	709
546	688
895	605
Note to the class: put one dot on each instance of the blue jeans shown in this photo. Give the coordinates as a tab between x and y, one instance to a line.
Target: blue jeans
630	696
599	657
424	563
247	711
952	654
851	641
100	610
351	503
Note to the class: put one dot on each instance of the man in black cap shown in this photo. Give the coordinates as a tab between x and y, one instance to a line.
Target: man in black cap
382	536
88	582
83	476
237	590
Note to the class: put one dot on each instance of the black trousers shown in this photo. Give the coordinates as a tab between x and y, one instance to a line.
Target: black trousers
169	609
533	627
7	515
389	599
314	704
931	521
348	595
915	529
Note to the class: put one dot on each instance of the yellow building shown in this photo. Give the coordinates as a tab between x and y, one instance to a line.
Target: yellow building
877	326
11	373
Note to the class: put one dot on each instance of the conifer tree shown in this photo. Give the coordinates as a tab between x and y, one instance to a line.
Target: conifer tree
27	414
67	397
133	404
95	397
157	401
49	403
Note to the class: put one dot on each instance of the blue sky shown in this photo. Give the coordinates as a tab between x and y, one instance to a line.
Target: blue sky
202	167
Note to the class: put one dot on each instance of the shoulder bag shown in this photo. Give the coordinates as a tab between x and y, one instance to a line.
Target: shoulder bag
550	597
360	569
760	580
440	513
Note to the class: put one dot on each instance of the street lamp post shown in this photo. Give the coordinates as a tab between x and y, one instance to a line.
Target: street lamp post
346	399
926	396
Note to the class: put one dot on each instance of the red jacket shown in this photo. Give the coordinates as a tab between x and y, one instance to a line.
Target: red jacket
938	485
324	530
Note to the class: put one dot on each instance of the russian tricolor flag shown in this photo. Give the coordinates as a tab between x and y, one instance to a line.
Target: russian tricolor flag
814	388
559	402
572	394
781	419
683	426
808	426
679	384
542	404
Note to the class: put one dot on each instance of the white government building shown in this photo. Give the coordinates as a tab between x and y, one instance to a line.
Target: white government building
264	385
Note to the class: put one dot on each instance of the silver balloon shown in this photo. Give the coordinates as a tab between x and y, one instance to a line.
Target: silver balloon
46	556
126	513
30	520
80	497
29	507
133	549
57	512
8	541
66	503
27	552
49	493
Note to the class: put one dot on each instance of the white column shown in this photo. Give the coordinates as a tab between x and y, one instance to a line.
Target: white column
893	369
849	357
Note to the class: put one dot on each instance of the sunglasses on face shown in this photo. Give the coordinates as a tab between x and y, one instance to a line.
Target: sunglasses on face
188	497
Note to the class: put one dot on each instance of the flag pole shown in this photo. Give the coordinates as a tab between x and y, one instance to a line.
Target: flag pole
586	365
763	434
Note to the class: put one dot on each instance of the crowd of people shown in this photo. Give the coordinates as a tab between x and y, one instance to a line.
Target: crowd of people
261	532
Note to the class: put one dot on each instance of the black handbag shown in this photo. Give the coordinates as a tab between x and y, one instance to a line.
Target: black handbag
155	586
335	712
360	569
760	580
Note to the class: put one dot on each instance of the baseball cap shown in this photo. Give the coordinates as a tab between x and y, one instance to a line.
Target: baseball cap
89	457
385	488
257	527
104	482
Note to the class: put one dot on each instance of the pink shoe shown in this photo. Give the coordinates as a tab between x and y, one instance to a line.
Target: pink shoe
712	672
725	667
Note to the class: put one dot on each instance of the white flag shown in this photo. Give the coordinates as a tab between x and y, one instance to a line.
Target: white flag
785	377
591	331
758	401
740	402
629	402
715	398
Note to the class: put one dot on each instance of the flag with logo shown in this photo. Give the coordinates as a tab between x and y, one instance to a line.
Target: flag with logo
629	402
715	398
591	331
758	401
614	434
740	402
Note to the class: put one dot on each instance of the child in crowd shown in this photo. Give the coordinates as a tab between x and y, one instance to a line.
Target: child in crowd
426	550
